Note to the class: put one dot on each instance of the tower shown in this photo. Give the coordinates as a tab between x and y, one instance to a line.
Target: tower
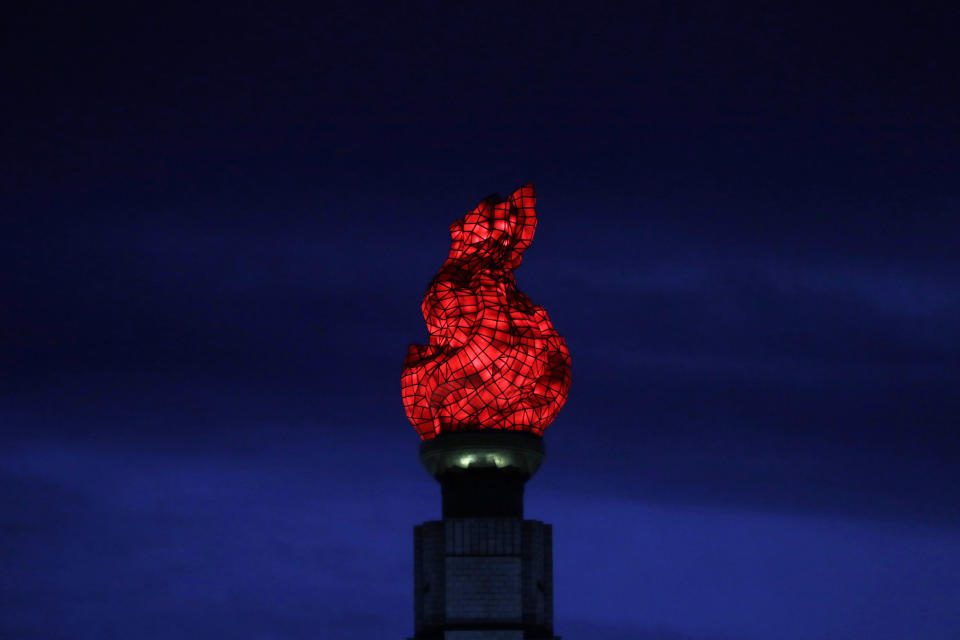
480	395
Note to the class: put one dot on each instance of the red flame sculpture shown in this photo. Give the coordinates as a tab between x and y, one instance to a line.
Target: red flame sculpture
494	360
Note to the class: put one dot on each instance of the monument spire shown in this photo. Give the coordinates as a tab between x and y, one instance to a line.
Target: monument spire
480	395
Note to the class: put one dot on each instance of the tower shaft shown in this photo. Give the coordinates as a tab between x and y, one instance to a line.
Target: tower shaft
483	572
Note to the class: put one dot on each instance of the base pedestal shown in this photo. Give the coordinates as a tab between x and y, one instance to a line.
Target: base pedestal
483	579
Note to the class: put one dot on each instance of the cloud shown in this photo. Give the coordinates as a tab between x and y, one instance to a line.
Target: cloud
126	542
117	540
731	572
575	629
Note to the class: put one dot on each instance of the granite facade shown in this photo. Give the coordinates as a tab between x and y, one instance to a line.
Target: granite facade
483	579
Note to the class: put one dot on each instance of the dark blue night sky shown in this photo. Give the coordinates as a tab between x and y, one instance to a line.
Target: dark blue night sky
217	223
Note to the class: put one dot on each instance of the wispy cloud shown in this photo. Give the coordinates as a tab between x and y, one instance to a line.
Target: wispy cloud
103	541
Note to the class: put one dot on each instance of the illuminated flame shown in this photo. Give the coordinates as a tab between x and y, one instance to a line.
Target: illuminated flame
494	360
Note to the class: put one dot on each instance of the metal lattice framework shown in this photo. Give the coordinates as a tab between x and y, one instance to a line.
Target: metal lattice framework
494	360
